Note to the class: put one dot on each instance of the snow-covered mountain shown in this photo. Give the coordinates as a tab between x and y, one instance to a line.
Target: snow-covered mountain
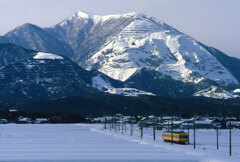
33	37
38	75
130	46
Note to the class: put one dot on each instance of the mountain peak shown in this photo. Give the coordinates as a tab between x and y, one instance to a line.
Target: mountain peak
83	14
115	16
24	26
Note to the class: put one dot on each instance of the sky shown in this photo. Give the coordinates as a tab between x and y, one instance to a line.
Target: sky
215	23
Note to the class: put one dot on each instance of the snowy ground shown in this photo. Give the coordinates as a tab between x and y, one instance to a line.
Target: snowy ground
85	142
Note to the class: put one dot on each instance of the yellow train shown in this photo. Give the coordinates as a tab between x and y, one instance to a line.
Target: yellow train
178	137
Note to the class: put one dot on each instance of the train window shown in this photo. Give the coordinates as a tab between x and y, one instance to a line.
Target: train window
183	136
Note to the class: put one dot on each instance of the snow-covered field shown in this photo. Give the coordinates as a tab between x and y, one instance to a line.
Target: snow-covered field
86	142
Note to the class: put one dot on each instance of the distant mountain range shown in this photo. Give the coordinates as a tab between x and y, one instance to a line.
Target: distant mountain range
128	54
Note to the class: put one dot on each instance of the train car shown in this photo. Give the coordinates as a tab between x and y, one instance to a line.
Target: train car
178	137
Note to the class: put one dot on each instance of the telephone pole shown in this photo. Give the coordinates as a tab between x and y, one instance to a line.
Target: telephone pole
104	123
172	130
131	130
154	133
217	136
230	137
125	125
194	134
188	132
110	123
115	124
122	124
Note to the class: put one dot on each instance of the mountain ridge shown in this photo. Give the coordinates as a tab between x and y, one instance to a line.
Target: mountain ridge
121	45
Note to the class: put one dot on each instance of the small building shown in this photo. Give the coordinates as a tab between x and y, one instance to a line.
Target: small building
205	124
170	124
3	121
234	124
41	120
166	118
186	125
24	120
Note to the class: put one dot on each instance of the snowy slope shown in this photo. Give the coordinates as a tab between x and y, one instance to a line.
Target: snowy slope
214	92
105	86
10	53
147	43
36	38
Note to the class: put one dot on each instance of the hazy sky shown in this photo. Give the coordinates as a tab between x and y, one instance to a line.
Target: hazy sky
213	22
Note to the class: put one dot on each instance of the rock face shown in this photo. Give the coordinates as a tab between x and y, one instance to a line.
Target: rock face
144	53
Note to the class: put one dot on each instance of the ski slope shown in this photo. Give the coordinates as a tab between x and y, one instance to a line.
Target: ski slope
86	142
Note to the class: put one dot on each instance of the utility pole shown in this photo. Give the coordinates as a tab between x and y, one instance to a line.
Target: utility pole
194	134
122	124
217	136
131	133
188	132
125	127
119	127
230	137
104	123
110	124
154	133
168	125
141	132
172	130
65	117
115	124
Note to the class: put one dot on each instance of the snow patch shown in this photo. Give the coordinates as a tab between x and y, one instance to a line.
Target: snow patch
214	92
129	92
82	14
102	85
236	91
50	56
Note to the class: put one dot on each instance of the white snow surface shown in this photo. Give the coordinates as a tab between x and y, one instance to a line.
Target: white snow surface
102	85
88	142
212	92
236	91
42	55
149	43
